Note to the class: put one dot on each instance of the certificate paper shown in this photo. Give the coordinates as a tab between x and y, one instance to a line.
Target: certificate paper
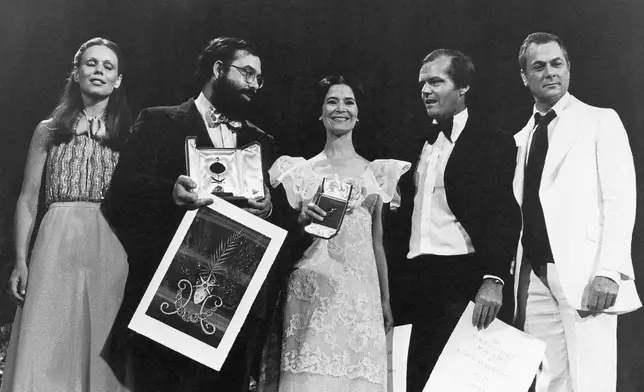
397	350
210	275
497	359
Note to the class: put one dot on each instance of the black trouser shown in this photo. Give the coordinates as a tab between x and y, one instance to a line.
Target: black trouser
431	292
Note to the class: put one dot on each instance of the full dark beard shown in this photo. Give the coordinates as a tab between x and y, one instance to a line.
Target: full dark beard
227	99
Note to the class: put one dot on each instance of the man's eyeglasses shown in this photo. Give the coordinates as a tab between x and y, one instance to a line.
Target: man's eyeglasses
250	75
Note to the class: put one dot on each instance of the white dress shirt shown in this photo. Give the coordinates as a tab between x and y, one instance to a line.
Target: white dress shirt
221	135
435	229
559	108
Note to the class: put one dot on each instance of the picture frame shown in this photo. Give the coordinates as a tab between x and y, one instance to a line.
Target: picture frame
207	281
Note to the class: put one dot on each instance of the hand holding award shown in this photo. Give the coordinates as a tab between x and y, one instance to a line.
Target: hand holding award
325	214
184	194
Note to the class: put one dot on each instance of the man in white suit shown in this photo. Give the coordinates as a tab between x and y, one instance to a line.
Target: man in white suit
575	182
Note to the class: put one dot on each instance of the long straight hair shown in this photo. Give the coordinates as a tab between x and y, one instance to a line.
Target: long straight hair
117	116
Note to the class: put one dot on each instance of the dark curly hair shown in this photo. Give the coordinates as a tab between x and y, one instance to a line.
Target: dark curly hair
221	49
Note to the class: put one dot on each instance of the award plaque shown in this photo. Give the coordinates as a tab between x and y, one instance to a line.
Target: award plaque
207	281
229	173
333	199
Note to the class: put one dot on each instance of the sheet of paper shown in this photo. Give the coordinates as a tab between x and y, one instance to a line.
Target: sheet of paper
497	359
397	350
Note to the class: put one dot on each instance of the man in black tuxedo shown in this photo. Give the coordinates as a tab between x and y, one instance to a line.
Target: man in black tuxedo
149	195
458	224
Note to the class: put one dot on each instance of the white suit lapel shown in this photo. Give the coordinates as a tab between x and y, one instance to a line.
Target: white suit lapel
566	132
521	140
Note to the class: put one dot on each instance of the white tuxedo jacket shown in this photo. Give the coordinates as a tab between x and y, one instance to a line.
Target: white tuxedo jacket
588	197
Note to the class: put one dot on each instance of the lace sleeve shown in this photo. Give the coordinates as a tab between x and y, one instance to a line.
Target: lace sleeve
283	167
387	173
286	171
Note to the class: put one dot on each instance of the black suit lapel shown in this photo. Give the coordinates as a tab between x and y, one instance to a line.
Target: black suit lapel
464	148
246	135
187	117
243	135
203	138
198	126
460	167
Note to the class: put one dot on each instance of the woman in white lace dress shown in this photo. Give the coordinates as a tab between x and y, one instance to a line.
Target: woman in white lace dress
336	309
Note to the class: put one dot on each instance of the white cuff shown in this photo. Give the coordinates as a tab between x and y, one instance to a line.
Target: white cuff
496	278
610	274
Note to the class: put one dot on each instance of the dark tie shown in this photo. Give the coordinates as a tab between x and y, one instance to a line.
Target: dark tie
444	126
535	241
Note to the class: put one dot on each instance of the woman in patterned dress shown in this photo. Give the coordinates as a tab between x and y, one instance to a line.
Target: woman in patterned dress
70	286
336	309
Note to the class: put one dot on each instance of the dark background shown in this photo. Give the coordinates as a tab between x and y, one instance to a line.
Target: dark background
379	41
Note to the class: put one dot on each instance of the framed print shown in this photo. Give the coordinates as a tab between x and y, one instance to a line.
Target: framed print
207	281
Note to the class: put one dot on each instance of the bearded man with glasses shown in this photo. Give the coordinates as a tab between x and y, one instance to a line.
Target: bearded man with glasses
150	193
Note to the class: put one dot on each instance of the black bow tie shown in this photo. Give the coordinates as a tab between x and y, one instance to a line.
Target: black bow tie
444	126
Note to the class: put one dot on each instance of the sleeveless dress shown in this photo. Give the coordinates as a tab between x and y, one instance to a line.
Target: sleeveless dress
333	336
77	273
